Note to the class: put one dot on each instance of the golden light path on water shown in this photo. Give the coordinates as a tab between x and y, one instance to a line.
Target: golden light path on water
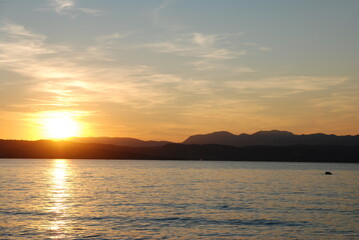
59	198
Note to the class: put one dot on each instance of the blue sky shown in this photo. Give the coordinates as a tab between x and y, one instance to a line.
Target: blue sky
169	69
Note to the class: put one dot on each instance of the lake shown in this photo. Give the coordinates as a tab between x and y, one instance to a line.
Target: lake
135	199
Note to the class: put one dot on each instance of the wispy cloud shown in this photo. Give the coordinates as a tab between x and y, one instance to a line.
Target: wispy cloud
203	40
243	69
258	46
59	79
63	78
265	48
63	5
113	37
207	51
288	84
157	11
90	11
70	8
197	45
19	47
337	103
160	21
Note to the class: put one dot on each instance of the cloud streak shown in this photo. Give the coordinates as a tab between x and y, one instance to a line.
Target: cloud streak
71	81
197	45
62	80
289	84
208	52
70	8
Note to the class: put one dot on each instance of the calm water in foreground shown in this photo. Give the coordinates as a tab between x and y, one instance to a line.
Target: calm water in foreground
109	199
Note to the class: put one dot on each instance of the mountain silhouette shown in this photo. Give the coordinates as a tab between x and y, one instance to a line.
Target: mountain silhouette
119	141
271	138
71	150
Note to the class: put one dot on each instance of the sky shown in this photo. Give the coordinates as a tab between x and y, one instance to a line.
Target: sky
168	69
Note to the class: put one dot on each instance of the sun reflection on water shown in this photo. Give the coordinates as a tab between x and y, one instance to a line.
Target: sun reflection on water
59	198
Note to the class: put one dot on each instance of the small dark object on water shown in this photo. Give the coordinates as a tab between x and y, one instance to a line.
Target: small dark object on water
328	173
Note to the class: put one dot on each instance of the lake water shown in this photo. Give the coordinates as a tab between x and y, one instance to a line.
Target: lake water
116	199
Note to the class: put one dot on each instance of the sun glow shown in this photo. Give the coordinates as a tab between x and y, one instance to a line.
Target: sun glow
60	126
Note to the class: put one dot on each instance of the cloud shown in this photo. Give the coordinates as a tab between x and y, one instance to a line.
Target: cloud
222	69
265	48
70	8
14	30
288	85
63	5
158	20
19	46
202	40
90	11
258	46
207	50
110	38
59	78
161	7
337	103
243	70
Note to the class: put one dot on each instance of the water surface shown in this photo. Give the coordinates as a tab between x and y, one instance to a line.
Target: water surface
117	199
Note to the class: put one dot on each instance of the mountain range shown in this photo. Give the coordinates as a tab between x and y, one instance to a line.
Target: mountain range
47	149
261	138
261	146
119	141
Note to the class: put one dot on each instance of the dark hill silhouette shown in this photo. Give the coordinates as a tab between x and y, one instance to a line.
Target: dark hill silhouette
271	138
223	138
119	141
72	150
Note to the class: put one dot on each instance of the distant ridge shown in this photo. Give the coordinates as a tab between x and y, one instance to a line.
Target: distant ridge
271	138
260	138
119	141
71	150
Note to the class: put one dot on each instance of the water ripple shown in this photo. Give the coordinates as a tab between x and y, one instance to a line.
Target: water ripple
90	199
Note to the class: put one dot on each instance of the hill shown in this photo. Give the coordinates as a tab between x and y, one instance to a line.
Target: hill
119	141
271	138
72	150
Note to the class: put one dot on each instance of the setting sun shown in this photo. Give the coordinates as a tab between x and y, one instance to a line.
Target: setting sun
60	127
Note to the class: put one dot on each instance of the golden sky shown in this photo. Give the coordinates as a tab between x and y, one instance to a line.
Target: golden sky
165	70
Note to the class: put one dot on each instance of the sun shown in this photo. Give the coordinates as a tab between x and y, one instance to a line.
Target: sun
60	127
